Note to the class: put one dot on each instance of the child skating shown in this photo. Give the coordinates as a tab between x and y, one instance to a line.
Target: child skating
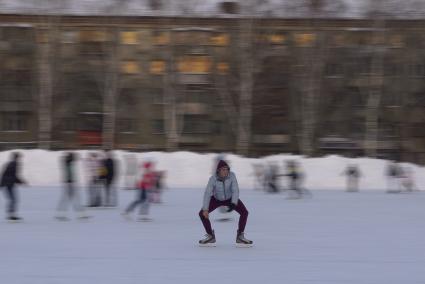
145	186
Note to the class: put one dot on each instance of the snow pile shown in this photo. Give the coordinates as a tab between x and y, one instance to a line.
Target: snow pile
287	9
192	170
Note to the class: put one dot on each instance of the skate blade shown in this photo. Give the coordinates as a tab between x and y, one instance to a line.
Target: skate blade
244	245
14	221
62	219
144	220
84	218
208	245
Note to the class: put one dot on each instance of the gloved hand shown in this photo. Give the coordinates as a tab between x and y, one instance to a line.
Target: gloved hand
231	207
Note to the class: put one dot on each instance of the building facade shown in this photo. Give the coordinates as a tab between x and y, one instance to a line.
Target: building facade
306	85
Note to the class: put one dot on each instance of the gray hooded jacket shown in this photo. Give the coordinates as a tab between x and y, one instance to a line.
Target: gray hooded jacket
221	189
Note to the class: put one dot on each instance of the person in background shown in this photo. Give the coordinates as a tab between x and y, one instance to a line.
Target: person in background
145	185
107	176
294	175
353	174
393	177
9	179
70	194
92	164
130	170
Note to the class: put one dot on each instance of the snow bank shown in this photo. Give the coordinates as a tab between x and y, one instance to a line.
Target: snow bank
191	170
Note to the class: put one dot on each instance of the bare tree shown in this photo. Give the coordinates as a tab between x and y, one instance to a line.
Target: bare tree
313	61
246	23
48	35
375	81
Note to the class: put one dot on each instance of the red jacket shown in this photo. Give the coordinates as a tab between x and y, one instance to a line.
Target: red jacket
148	178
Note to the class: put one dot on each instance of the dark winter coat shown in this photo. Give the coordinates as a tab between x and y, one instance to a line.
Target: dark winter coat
10	176
108	174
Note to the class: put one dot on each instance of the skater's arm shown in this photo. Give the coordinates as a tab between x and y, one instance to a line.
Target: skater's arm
207	194
235	189
16	175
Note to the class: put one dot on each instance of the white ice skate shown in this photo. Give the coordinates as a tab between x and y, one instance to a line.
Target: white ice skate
83	217
208	241
242	242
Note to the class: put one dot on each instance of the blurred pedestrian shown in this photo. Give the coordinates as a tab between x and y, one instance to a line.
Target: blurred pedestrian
10	178
70	193
145	185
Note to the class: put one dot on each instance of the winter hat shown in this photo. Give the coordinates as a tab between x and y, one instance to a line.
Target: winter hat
222	164
147	165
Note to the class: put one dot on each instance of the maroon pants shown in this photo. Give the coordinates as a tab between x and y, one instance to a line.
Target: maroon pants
214	204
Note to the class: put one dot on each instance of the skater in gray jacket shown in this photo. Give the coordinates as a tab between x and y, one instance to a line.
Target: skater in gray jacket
223	190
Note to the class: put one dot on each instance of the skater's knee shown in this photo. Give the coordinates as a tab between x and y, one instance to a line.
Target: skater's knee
201	215
243	212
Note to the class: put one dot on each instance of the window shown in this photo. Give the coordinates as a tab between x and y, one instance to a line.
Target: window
277	38
69	37
92	48
158	126
392	69
90	122
396	41
129	37
16	63
93	36
194	64
223	68
334	70
15	94
130	67
182	37
216	127
196	124
161	38
362	65
14	33
13	121
417	130
157	67
69	124
305	39
42	36
220	40
417	70
339	40
127	125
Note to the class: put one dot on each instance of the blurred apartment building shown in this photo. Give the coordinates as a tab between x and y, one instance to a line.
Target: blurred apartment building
254	78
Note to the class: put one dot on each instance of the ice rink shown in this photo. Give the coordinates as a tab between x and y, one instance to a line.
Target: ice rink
334	237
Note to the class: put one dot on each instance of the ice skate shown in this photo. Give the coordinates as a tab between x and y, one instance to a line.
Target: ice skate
208	241
243	242
14	219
